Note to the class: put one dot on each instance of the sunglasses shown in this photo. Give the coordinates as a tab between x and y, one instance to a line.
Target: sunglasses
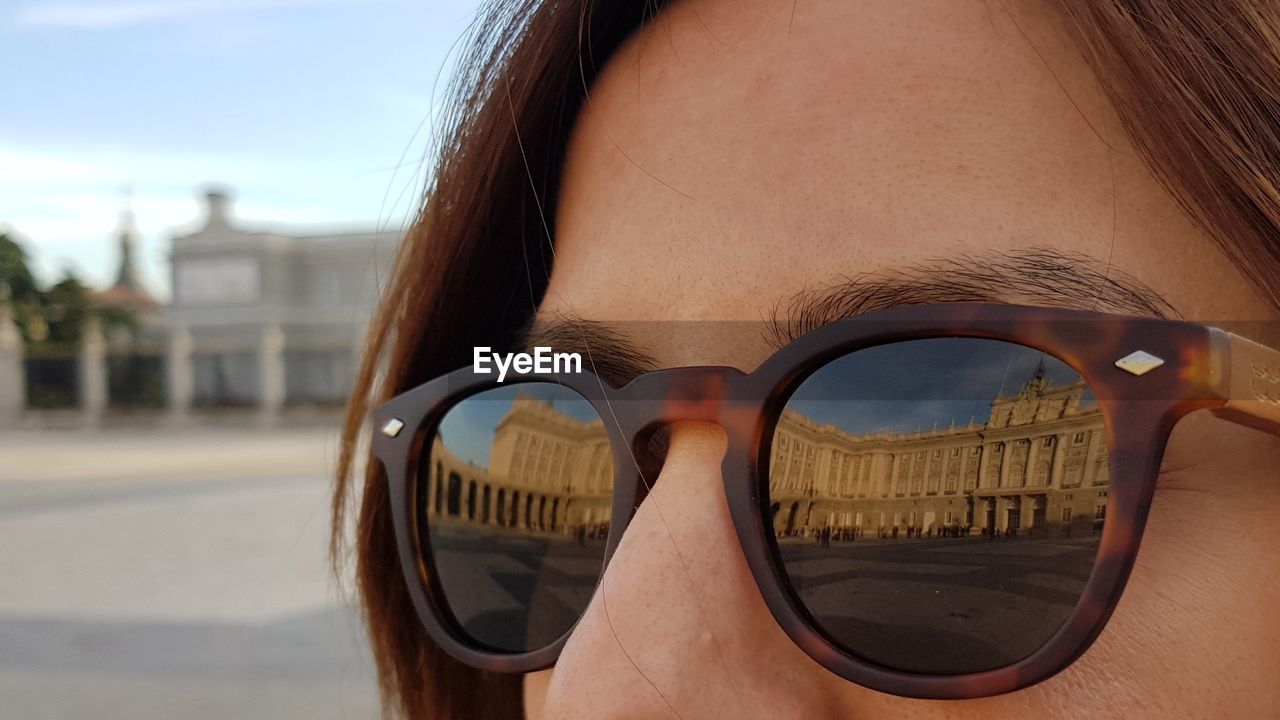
935	501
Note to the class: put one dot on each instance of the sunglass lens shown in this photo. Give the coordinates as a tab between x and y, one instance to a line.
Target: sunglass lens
515	490
937	504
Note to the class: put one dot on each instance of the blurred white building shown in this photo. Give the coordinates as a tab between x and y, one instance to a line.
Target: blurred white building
262	319
268	318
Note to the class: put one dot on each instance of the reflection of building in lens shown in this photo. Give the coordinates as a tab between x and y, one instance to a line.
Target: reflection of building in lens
548	472
1039	463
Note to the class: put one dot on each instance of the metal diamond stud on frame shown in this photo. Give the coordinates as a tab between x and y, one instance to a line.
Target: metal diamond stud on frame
1139	362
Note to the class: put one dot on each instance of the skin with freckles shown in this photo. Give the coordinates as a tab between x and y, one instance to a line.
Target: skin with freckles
737	152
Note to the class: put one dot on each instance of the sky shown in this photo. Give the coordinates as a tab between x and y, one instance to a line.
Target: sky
920	384
315	113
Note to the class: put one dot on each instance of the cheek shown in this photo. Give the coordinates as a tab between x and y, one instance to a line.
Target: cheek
1196	628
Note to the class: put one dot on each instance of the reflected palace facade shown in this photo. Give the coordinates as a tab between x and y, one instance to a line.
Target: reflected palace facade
547	472
1039	462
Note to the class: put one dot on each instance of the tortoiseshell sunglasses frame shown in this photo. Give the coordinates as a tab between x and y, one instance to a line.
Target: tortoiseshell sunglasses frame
1204	368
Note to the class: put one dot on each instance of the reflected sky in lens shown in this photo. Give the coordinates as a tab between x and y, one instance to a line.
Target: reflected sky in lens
468	427
904	386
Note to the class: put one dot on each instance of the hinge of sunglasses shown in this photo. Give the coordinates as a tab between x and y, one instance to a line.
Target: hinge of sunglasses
1247	375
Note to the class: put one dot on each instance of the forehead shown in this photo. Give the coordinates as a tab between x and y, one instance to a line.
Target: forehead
734	153
731	151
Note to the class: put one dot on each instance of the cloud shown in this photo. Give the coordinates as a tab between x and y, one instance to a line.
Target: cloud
115	15
76	164
65	203
19	166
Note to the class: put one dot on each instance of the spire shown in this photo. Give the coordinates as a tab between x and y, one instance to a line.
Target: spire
126	276
128	290
1035	384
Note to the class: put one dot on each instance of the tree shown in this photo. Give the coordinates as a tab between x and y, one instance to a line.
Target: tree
55	316
66	308
24	294
15	269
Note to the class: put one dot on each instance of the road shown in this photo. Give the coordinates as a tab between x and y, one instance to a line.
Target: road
173	574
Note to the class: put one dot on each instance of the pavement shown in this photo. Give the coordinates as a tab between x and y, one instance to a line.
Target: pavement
513	591
942	605
173	573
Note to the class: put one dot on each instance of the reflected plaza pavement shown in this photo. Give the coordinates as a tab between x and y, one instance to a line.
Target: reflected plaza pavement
931	602
999	595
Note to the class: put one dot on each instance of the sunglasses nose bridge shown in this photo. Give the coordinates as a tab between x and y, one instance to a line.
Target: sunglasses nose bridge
687	393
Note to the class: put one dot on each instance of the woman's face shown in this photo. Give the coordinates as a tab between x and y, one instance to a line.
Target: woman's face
736	156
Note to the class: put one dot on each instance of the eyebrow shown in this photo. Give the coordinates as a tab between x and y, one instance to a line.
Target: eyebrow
1036	276
1041	277
610	354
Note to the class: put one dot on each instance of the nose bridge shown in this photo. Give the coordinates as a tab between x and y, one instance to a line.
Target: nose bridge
686	393
678	594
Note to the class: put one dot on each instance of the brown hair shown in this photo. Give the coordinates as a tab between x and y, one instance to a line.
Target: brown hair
1197	85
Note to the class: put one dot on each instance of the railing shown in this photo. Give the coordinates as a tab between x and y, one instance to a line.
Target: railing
51	374
136	378
167	370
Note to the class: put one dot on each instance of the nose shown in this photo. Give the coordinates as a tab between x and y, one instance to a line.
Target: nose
677	627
